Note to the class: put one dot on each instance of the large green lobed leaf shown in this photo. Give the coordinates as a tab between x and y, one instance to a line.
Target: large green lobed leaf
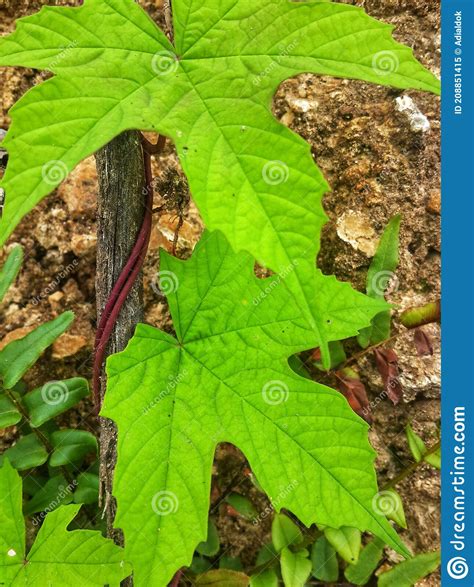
211	94
58	557
225	378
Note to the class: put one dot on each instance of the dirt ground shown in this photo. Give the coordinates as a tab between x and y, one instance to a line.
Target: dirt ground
378	163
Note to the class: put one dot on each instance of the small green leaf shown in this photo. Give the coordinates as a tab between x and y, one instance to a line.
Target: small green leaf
295	567
212	544
378	330
10	269
267	578
410	571
28	452
222	577
33	482
285	532
54	493
385	259
19	355
200	565
389	503
57	557
418	449
346	542
416	444
324	560
71	446
266	554
434	459
9	415
364	568
54	398
242	505
232	563
379	277
396	511
87	490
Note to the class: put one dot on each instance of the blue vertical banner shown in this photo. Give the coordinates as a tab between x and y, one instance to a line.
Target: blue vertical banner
457	494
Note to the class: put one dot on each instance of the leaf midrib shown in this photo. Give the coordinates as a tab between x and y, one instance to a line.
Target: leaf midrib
307	310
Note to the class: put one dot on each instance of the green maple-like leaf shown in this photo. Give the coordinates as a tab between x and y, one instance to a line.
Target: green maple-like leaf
211	94
57	557
225	377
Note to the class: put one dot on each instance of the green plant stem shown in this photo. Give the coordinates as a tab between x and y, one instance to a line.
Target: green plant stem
371	348
411	468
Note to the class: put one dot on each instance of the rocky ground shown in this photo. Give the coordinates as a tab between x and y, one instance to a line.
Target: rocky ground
379	161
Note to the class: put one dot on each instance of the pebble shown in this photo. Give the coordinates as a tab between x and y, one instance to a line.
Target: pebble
354	228
68	345
15	335
416	119
433	204
83	243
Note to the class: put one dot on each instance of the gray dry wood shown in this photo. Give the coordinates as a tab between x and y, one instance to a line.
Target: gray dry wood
120	213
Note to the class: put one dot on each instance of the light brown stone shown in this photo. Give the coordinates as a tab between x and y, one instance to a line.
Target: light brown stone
79	190
15	335
355	228
434	202
83	243
68	345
